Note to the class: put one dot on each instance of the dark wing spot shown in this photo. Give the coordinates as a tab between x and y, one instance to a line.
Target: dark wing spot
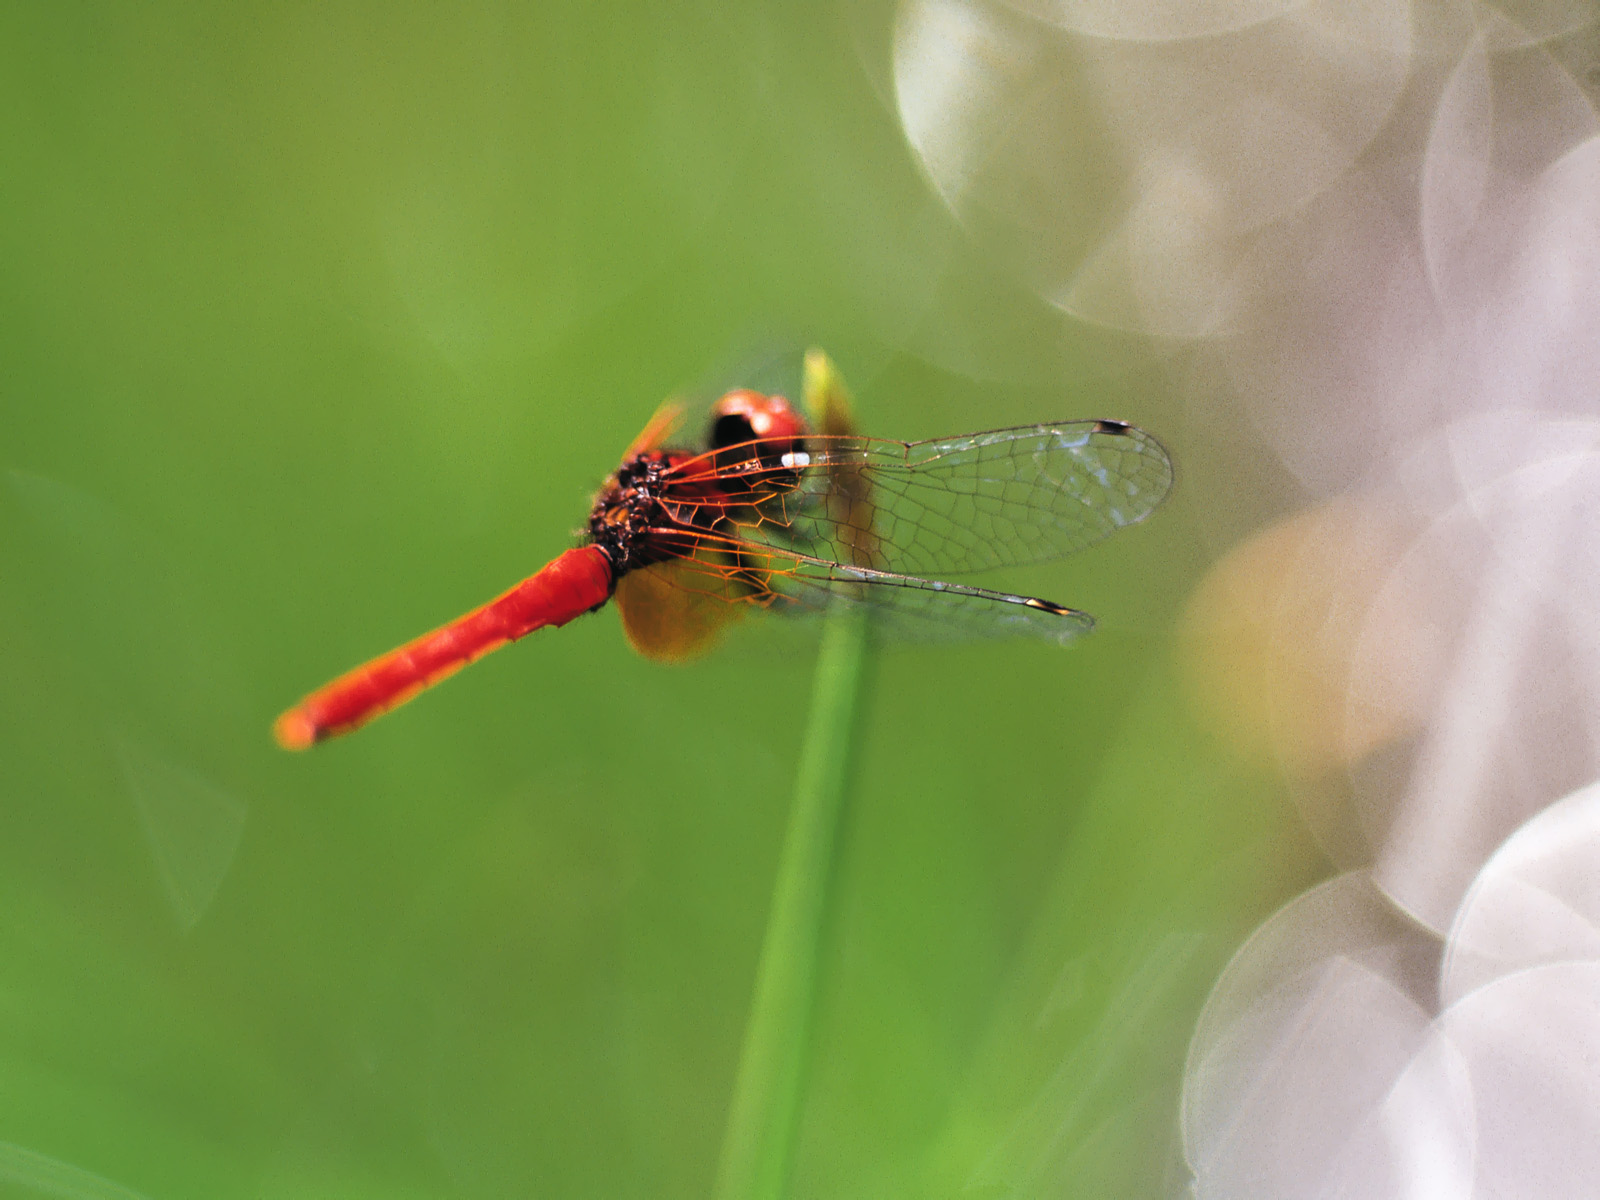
1110	427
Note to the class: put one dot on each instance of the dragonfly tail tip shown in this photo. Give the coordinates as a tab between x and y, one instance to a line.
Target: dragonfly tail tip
294	730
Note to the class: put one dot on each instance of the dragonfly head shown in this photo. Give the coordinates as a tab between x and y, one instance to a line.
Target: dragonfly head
765	428
757	441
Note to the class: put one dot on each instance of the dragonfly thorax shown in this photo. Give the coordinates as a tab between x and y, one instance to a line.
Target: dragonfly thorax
628	509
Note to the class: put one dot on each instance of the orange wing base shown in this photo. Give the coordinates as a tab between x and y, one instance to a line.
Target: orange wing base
668	612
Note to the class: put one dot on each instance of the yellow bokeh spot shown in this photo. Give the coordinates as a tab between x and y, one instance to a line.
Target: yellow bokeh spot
1298	647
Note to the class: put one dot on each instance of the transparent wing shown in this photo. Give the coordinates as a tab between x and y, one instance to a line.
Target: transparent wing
945	507
927	609
734	570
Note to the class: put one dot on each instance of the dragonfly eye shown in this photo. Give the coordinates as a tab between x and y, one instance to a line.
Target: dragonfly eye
758	446
744	417
731	429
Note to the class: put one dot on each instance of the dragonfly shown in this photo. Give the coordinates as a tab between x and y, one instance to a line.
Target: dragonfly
773	515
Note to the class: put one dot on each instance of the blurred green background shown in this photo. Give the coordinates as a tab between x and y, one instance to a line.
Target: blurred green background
319	325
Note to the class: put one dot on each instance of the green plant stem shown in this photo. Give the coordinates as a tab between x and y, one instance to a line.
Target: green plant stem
768	1090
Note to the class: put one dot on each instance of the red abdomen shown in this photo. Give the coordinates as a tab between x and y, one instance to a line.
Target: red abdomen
569	586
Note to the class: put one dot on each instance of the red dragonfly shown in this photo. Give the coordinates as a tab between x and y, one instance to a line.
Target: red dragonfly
772	515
